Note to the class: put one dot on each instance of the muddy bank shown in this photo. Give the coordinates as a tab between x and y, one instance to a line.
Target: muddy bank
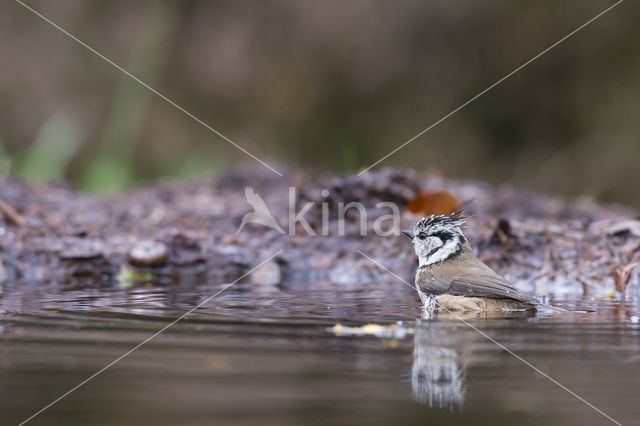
179	232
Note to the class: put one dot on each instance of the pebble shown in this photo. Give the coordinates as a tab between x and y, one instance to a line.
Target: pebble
148	253
80	254
267	274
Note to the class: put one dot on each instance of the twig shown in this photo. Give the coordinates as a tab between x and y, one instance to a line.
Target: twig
11	213
586	284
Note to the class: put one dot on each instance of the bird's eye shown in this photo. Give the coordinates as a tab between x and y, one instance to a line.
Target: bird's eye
422	235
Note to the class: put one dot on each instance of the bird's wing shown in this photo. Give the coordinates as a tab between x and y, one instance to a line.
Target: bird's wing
256	201
482	281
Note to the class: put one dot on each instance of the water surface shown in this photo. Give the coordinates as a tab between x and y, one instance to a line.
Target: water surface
268	355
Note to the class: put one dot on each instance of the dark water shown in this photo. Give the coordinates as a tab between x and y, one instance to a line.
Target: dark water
268	356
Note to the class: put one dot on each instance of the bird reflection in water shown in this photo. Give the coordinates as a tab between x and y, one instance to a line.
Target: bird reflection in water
442	353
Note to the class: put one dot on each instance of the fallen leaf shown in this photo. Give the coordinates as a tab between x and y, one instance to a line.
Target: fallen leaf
11	213
621	276
395	331
436	203
608	295
503	233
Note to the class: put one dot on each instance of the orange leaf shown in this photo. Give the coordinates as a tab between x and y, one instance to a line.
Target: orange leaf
436	203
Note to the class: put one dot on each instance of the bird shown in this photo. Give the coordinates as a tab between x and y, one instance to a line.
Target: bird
450	276
261	214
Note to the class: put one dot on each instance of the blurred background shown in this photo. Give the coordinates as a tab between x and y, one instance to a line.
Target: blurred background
332	85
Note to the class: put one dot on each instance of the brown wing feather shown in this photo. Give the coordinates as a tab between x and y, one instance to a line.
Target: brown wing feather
474	286
466	275
482	281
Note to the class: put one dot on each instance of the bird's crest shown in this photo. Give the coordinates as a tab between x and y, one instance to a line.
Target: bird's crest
446	220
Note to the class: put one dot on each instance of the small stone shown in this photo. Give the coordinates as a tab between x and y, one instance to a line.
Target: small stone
625	227
267	274
81	254
148	253
81	232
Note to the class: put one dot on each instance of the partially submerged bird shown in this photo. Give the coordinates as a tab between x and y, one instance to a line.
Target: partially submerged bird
450	276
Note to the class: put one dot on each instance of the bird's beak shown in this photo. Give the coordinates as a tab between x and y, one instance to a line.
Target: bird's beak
408	233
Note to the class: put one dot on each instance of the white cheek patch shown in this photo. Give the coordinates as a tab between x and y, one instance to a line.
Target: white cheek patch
427	256
427	247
